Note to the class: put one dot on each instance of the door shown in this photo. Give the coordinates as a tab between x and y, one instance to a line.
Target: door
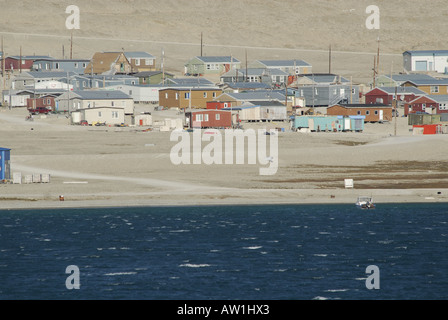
347	124
421	66
381	114
311	124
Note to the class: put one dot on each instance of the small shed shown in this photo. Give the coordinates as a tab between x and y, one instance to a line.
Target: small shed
209	119
5	166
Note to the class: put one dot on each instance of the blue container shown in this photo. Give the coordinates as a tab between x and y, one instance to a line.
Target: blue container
5	169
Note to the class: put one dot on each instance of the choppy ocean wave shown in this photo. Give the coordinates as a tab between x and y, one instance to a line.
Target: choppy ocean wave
235	252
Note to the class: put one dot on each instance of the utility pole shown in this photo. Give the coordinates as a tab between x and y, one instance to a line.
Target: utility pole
71	45
396	110
3	60
201	44
163	66
20	60
378	57
329	61
246	67
374	73
351	90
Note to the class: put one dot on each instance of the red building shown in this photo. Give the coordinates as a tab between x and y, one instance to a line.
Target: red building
218	105
426	104
209	119
386	95
420	105
22	63
42	102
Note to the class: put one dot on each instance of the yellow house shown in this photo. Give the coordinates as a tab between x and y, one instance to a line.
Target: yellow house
432	87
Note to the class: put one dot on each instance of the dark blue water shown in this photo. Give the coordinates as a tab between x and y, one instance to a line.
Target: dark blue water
234	252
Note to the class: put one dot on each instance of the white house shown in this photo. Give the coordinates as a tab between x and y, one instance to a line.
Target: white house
87	99
108	115
426	60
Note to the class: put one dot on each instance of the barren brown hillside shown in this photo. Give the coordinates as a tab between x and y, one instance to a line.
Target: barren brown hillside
265	28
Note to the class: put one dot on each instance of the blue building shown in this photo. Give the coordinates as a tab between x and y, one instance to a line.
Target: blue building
329	123
5	169
67	65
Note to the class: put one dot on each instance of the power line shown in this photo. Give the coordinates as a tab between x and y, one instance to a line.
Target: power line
193	44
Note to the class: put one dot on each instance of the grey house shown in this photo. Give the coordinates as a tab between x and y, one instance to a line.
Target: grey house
292	67
65	65
262	75
327	95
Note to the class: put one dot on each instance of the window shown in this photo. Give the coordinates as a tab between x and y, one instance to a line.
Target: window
424	106
56	65
214	94
205	117
187	95
376	112
84	65
434	89
367	112
199	117
218	117
148	62
112	103
226	105
137	62
359	112
166	95
205	94
114	115
99	114
76	64
177	96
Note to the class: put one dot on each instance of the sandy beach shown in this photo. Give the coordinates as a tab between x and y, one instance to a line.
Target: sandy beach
110	166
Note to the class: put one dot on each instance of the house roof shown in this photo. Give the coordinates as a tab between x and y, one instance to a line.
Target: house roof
100	94
426	52
428	82
284	63
412	76
325	78
31	57
194	81
256	95
400	90
46	74
267	103
150	74
138	55
5	149
439	98
247	85
218	59
376	105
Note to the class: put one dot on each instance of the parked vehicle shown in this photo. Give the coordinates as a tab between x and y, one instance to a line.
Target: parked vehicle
84	123
39	110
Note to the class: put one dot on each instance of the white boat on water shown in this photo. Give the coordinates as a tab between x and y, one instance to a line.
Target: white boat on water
365	203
